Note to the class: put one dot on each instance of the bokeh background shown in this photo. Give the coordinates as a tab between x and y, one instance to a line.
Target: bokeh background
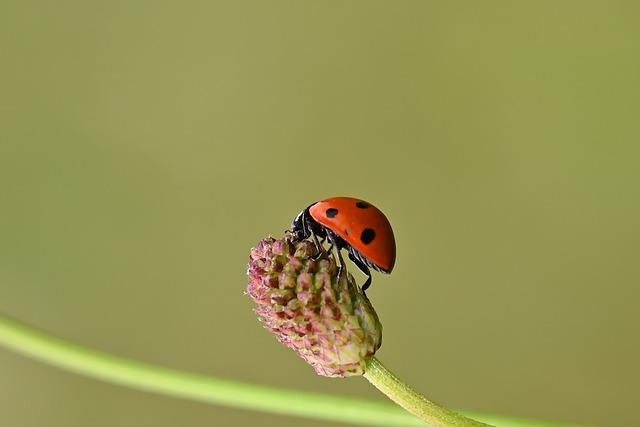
145	147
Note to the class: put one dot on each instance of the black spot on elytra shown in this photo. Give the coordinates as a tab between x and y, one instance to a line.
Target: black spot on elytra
367	236
362	205
346	232
331	212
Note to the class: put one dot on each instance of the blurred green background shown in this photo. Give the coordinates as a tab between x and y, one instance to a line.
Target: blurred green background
145	147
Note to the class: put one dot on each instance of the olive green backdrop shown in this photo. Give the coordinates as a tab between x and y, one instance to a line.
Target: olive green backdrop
146	146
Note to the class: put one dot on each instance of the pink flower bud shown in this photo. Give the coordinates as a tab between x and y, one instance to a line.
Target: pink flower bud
325	319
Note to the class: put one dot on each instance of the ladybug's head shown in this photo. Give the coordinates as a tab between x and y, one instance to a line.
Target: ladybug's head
303	226
299	225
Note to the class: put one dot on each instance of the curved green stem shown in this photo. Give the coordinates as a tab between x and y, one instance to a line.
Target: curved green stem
142	376
428	411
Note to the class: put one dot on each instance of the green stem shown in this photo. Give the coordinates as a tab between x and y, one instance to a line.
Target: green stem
412	401
75	358
142	376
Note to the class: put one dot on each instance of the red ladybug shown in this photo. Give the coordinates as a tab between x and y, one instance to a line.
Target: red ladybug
353	224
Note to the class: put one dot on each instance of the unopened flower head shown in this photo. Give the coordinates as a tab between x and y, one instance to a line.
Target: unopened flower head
324	318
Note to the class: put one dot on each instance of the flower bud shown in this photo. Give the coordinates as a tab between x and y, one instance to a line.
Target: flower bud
325	319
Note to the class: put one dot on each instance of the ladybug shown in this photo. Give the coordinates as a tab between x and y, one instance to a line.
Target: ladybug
351	224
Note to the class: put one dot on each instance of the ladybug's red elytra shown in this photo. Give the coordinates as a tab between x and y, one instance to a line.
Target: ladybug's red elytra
353	224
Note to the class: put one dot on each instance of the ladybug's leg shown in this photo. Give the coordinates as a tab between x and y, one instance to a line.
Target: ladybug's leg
319	246
324	239
317	243
330	247
363	267
314	237
334	245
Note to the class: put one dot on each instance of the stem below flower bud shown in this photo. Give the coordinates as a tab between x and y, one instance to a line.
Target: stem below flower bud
428	411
